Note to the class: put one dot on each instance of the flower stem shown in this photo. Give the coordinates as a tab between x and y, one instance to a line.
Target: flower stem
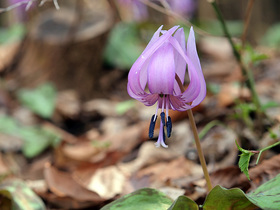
199	150
197	141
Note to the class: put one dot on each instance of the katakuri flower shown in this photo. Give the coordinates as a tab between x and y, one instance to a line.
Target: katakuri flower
160	67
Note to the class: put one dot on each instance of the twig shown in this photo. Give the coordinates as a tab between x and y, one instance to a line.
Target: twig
247	20
28	5
174	15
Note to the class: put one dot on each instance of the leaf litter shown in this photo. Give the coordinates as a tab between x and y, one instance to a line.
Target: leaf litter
104	151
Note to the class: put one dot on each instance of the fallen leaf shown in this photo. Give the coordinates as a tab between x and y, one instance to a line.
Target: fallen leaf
164	171
63	185
230	92
108	182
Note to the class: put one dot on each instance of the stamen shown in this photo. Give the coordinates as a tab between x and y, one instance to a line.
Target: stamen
168	126
152	126
162	115
167	106
163	133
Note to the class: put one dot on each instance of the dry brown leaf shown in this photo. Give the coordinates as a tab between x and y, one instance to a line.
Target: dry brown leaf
226	177
4	170
7	53
68	104
229	93
65	202
81	151
219	146
163	171
108	182
63	185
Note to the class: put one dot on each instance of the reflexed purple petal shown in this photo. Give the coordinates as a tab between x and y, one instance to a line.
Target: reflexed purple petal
179	61
177	103
192	54
147	99
134	75
150	99
194	87
161	70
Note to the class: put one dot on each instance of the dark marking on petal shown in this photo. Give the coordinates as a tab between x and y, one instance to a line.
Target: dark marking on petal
162	115
169	127
152	126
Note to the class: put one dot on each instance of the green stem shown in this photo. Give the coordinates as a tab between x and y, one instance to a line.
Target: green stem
266	148
197	141
248	74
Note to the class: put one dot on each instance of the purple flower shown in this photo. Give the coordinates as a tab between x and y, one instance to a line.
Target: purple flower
165	59
183	7
139	9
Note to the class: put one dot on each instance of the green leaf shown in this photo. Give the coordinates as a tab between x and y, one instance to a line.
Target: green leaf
183	202
272	36
21	197
124	45
14	33
270	104
144	199
222	198
122	107
40	100
37	140
8	125
267	196
243	163
244	160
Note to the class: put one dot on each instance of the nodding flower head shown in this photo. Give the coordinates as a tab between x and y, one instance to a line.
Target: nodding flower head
161	68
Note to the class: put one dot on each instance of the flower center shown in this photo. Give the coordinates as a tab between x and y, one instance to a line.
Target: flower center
163	103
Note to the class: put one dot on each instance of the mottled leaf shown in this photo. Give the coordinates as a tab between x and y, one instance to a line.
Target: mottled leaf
222	198
19	196
183	202
267	196
144	199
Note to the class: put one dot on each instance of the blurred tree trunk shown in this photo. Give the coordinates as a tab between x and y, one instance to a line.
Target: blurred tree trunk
65	47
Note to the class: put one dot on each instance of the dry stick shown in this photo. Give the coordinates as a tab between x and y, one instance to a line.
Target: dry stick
247	20
174	15
197	141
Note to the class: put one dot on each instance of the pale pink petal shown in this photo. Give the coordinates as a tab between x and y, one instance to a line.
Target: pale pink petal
161	70
136	80
179	60
192	54
194	87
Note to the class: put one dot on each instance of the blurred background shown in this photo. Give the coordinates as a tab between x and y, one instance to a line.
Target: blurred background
68	129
